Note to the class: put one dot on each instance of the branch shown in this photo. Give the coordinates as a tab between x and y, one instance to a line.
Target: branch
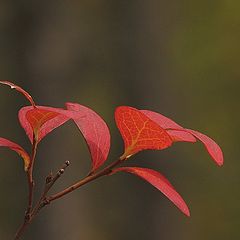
50	181
27	217
31	213
30	179
89	178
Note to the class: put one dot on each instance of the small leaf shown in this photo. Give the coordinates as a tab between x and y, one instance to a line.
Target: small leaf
42	120
94	130
139	132
212	147
159	182
19	89
15	147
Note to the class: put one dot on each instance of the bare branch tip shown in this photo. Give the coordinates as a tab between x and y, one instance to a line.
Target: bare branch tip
67	163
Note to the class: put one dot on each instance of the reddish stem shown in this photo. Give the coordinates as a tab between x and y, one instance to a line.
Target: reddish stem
28	218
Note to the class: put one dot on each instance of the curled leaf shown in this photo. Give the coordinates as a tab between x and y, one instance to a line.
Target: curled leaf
160	182
19	89
178	133
139	132
95	132
15	147
212	147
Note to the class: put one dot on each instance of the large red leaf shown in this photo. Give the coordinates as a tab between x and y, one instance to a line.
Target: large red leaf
139	132
42	120
15	147
159	182
212	147
94	131
19	89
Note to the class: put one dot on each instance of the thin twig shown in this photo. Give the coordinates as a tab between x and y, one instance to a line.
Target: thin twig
49	182
89	178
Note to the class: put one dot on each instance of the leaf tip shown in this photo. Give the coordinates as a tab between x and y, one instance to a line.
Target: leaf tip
21	90
187	212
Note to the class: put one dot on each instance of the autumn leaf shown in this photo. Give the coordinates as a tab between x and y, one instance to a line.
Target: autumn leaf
37	117
178	133
15	147
19	89
42	120
159	182
139	132
212	147
95	132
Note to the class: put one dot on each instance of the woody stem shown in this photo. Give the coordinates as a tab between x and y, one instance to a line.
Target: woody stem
106	171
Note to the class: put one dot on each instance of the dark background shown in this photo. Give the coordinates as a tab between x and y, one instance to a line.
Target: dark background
180	58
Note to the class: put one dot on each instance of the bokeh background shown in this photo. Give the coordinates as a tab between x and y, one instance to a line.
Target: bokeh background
180	58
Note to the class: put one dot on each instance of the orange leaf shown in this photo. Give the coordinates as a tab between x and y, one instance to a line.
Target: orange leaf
42	120
37	117
139	132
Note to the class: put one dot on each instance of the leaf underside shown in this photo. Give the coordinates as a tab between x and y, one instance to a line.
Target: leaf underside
160	182
95	132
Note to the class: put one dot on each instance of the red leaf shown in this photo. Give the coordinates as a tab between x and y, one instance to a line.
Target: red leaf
139	132
181	136
159	182
15	147
94	131
212	147
37	117
19	89
43	120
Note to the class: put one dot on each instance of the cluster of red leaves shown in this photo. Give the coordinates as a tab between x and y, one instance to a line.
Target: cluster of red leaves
140	130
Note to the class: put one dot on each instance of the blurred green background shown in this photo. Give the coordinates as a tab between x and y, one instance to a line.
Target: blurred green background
180	58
